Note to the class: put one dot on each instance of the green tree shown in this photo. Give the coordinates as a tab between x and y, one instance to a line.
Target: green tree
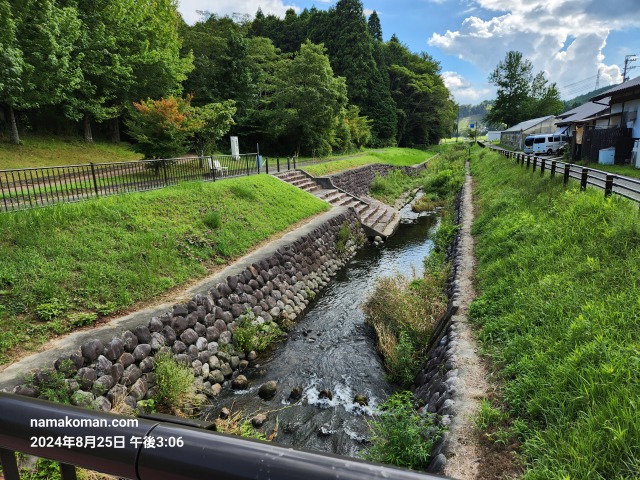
513	78
209	123
37	62
545	98
350	48
375	28
309	100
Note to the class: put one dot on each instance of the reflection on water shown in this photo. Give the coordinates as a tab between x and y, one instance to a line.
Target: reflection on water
332	350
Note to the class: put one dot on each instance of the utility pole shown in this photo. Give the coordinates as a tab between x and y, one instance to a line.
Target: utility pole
627	60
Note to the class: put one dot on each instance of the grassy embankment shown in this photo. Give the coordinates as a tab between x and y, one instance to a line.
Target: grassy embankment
392	156
558	316
64	266
45	151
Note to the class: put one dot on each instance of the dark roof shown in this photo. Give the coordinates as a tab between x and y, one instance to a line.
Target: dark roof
634	82
584	111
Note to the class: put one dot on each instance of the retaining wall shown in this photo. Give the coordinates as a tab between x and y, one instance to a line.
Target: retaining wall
275	288
358	181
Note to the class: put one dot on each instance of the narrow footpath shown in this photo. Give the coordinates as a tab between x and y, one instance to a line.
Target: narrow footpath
466	458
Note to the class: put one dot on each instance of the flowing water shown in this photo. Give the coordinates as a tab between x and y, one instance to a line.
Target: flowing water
331	348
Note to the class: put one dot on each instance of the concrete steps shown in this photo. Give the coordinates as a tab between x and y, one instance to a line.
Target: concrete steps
379	219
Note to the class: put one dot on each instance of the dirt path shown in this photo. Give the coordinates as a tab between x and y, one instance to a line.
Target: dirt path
465	450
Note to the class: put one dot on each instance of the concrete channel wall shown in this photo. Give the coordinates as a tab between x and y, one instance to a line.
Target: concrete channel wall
358	181
274	284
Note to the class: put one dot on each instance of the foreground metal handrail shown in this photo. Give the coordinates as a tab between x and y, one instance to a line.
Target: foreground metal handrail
178	452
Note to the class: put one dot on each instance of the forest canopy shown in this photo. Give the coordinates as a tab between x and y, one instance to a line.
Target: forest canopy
313	83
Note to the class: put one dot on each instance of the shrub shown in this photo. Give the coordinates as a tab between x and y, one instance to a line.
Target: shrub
174	383
249	335
344	234
400	435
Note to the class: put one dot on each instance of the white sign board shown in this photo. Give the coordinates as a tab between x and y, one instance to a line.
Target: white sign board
235	149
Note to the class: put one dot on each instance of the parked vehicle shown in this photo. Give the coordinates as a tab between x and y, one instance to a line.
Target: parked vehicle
546	143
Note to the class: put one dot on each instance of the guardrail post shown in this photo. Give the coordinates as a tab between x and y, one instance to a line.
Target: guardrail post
543	164
95	182
567	169
583	178
535	163
9	465
608	186
528	161
553	168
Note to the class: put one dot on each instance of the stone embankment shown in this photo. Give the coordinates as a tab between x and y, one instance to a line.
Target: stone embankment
276	288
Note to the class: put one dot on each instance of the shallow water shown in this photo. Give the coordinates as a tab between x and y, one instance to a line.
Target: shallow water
332	348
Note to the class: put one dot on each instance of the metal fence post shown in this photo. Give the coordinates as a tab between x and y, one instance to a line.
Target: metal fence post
553	168
608	186
584	178
288	163
294	162
567	169
266	165
247	158
95	182
164	169
278	164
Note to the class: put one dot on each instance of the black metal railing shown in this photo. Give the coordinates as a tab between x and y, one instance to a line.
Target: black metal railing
36	187
159	450
623	186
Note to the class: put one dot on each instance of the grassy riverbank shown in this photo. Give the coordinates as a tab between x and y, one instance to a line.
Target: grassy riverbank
558	316
64	266
392	156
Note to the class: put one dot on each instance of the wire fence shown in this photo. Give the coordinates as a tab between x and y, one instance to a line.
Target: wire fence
42	186
623	186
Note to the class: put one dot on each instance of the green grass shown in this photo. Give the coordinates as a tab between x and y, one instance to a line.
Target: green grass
48	151
392	156
626	170
559	315
65	265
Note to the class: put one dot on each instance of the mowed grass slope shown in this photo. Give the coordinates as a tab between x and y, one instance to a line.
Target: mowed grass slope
63	266
559	314
392	156
44	151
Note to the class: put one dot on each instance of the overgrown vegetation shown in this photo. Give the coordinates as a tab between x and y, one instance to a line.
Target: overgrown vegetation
403	311
400	435
558	315
174	385
67	265
250	335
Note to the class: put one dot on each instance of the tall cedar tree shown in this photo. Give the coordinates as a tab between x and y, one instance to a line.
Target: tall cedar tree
350	48
375	28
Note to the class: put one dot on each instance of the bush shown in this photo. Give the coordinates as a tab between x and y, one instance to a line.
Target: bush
174	383
401	436
249	335
344	234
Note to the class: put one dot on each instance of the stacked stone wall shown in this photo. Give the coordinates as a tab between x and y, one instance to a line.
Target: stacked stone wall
199	333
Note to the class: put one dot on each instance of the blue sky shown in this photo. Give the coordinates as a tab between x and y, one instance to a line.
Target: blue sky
571	40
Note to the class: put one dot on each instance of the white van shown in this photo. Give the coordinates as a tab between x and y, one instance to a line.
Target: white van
548	143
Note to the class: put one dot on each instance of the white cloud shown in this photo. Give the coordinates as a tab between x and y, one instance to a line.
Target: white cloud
462	90
564	38
188	8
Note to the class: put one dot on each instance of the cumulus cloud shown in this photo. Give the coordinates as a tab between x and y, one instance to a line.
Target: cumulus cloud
563	38
461	88
189	8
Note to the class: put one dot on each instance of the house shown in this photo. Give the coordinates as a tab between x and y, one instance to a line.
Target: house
575	122
514	136
622	125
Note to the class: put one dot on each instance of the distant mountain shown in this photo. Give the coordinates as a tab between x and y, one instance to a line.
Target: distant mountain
576	102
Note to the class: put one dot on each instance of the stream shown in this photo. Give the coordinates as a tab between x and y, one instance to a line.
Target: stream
331	348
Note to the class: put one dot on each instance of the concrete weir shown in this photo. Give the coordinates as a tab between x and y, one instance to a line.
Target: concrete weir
281	273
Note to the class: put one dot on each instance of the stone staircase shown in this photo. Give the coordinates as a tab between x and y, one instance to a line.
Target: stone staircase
377	218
